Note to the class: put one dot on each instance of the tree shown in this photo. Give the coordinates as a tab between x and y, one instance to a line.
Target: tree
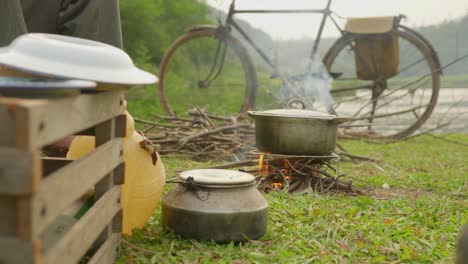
150	26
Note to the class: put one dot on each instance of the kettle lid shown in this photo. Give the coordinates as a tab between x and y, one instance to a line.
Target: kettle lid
294	113
217	177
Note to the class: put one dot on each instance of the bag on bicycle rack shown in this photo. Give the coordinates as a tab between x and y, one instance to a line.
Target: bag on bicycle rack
376	51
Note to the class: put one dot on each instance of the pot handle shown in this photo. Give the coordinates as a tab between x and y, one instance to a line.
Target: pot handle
340	120
252	113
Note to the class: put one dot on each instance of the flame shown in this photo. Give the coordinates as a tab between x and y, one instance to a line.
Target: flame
284	165
260	162
277	184
263	168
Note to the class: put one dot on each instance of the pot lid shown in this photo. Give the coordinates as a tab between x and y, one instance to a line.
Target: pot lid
297	113
217	177
43	84
72	58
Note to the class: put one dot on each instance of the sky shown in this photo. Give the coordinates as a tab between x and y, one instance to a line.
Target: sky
291	26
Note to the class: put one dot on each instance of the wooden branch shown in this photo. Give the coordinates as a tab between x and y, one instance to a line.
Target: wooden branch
449	140
357	157
388	114
146	122
245	131
425	132
215	117
216	136
187	139
167	140
148	128
172	118
142	250
205	117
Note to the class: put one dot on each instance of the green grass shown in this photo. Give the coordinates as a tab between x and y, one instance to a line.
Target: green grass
416	220
144	101
454	81
141	102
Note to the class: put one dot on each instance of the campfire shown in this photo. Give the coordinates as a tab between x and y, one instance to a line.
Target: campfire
206	136
300	174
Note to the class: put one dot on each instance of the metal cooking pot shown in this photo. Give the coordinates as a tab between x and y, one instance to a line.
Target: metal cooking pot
219	205
296	132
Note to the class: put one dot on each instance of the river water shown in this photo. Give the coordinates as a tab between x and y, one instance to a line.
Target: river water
452	106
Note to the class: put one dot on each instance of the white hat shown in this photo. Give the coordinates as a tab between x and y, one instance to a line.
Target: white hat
72	58
38	83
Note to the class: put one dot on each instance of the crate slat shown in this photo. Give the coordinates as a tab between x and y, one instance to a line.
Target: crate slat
30	124
72	247
7	129
104	132
8	216
20	171
15	217
51	164
38	195
107	253
72	181
15	251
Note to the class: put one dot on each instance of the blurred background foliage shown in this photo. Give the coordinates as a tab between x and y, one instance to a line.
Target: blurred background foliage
150	26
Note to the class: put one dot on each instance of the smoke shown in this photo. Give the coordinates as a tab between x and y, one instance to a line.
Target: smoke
310	89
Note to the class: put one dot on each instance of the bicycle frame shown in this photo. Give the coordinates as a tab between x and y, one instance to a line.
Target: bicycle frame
294	87
326	13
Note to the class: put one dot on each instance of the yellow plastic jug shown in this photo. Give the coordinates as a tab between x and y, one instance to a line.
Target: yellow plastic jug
144	181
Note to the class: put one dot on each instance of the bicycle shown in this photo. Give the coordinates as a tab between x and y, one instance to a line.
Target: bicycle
384	101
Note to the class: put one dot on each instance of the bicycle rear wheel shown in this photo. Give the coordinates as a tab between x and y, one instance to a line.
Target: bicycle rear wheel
185	79
391	107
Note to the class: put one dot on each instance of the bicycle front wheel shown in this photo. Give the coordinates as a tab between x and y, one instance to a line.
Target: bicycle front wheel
384	107
207	69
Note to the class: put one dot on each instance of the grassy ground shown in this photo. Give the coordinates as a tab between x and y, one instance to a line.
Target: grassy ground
417	204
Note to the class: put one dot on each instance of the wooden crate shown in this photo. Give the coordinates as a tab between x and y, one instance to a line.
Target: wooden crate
35	191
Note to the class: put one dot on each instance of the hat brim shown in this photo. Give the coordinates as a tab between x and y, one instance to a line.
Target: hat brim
34	83
54	68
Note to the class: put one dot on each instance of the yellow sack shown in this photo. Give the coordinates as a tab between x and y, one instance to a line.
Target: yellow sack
377	56
144	181
376	51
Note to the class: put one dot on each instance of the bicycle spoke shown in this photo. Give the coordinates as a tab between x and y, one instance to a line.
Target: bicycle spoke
352	99
395	109
196	60
347	79
391	93
197	63
228	85
347	89
411	65
411	110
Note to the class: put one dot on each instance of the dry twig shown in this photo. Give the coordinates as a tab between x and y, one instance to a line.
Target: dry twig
205	136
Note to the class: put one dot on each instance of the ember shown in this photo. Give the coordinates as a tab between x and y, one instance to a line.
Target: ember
300	174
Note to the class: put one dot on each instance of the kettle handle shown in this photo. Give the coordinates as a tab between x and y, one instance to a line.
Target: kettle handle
340	120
